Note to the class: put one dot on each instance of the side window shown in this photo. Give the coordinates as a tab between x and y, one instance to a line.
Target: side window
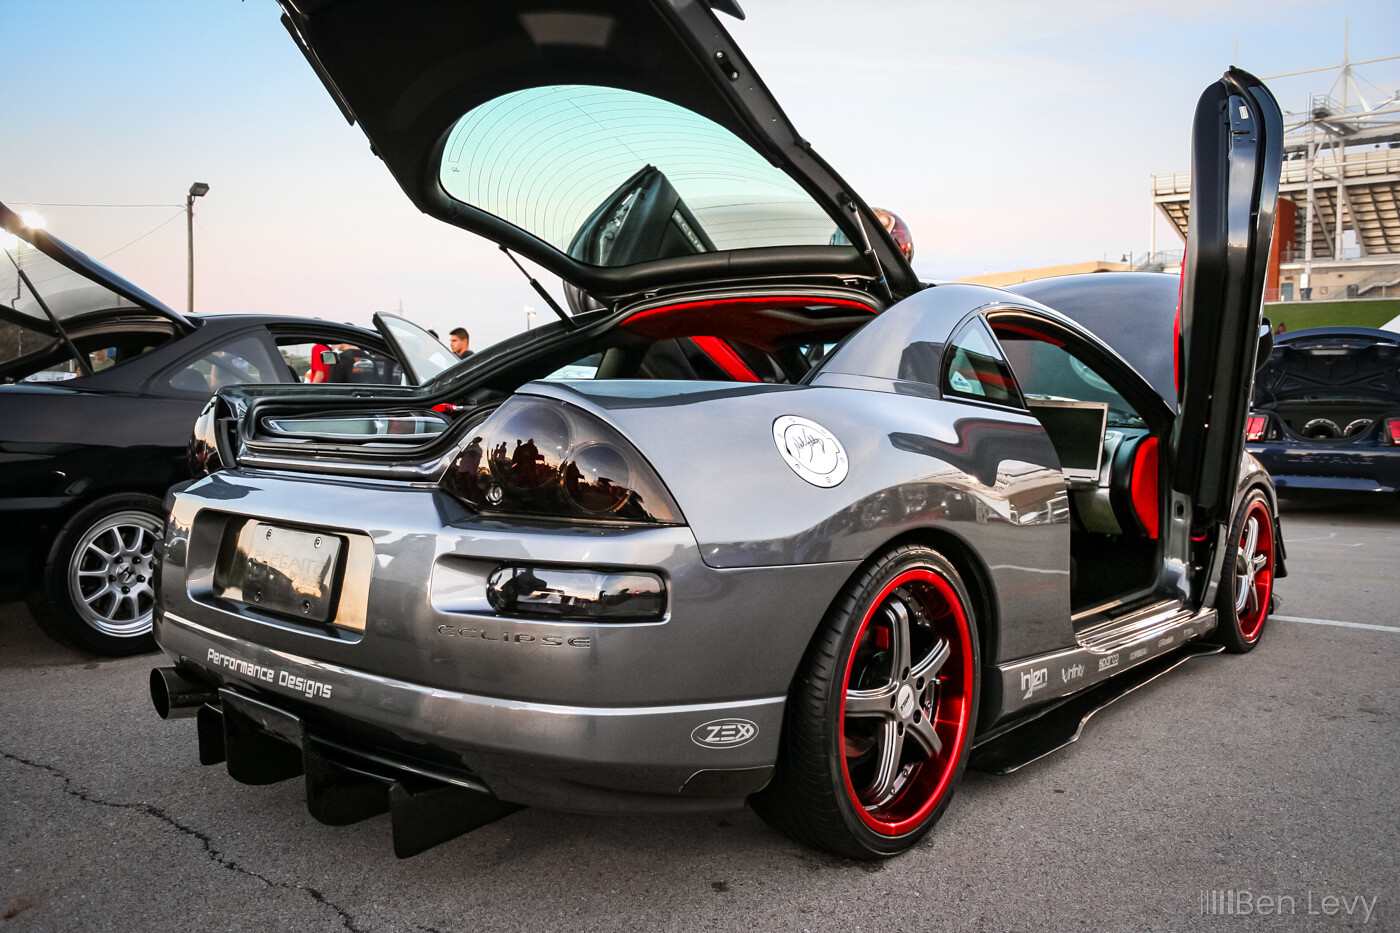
243	360
330	359
975	368
299	355
586	368
1049	371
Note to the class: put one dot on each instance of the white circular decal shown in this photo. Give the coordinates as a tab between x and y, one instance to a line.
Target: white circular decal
811	450
724	733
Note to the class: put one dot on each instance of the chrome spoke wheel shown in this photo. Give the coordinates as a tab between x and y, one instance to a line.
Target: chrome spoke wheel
907	701
879	725
110	573
1254	571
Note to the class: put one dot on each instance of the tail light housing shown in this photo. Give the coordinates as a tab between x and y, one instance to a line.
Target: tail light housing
547	459
205	452
1392	431
1256	426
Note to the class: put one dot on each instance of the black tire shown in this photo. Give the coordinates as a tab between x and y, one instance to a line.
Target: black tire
1245	594
828	750
97	591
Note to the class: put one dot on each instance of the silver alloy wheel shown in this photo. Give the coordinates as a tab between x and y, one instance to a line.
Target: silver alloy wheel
109	573
1249	561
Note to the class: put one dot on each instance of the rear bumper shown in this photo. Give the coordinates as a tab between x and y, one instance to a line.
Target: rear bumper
681	713
630	759
1358	469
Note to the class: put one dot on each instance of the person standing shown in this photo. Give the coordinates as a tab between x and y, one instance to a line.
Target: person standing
324	369
459	341
319	370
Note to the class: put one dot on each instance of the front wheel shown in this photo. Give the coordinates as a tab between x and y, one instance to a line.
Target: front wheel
1247	581
878	726
98	589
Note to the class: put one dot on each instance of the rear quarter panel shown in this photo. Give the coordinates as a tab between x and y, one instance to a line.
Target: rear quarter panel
986	476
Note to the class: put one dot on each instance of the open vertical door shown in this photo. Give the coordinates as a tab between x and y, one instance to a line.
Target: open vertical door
1237	154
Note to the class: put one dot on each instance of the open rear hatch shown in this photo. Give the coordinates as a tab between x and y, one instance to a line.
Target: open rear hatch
625	146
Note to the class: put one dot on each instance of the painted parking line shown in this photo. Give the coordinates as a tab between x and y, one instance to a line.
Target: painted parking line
1378	628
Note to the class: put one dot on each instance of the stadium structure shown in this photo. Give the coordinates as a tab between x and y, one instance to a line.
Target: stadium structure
1338	221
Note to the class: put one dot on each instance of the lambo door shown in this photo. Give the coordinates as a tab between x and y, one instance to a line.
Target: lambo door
1237	151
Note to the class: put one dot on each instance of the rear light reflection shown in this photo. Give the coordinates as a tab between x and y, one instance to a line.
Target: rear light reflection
553	460
585	595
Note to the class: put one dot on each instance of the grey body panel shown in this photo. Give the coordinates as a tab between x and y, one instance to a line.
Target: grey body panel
431	560
985	476
597	759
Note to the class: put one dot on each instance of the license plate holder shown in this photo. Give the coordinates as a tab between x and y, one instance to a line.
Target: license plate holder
291	572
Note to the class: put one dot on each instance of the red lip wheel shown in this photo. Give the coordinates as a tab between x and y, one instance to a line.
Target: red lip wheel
878	727
1247	581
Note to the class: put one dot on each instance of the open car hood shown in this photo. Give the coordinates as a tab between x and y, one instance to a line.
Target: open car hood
624	145
1331	363
50	292
71	287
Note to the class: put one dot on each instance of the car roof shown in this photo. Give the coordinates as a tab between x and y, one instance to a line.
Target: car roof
294	320
1132	312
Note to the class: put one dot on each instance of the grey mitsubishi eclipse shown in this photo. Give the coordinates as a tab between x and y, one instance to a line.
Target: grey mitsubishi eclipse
761	518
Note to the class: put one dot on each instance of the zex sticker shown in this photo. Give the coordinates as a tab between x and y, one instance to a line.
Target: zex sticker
811	450
724	733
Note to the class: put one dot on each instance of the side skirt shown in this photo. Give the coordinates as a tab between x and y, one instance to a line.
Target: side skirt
1062	724
1102	652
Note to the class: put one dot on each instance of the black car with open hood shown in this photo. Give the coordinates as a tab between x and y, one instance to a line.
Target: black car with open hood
100	385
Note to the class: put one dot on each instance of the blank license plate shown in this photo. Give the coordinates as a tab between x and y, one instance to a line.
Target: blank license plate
291	572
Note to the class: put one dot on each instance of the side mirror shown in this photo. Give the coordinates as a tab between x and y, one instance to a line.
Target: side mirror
1266	344
328	357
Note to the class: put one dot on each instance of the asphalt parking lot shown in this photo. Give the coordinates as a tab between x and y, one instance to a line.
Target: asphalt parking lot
1269	779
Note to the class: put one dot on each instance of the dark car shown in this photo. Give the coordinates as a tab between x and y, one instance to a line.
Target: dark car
100	384
1326	412
805	533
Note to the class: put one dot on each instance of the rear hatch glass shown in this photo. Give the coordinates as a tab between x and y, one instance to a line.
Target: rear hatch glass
566	161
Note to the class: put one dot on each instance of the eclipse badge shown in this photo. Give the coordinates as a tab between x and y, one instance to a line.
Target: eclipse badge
811	450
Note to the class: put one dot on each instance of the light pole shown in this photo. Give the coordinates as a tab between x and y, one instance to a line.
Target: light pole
197	190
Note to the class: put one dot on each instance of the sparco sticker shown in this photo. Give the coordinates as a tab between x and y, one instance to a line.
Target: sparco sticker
724	733
811	450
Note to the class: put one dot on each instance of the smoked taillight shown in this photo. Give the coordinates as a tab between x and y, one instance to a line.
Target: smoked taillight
547	459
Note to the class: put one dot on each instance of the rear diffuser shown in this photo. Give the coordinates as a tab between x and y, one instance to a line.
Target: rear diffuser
1061	725
263	745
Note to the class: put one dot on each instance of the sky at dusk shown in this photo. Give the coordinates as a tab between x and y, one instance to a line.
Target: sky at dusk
1006	134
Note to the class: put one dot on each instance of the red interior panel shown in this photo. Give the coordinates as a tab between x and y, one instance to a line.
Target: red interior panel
726	359
763	322
1144	486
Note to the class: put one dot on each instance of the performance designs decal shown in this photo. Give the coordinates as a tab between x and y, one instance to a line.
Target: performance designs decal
303	685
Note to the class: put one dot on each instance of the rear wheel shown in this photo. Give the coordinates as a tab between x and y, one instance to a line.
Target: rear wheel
878	726
1247	582
98	589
